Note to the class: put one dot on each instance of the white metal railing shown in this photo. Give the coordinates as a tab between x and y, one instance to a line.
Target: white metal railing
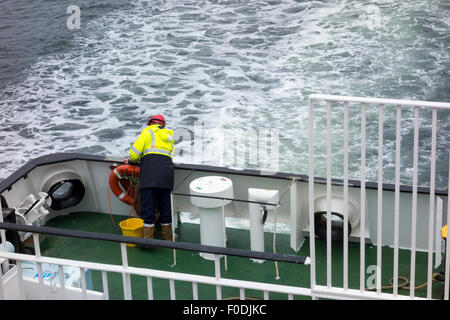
362	103
218	281
150	274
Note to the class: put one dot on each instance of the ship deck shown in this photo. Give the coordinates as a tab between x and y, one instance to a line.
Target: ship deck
237	267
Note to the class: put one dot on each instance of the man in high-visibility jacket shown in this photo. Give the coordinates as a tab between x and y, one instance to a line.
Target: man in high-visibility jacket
154	148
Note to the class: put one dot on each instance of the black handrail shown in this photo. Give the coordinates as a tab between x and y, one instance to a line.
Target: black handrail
157	243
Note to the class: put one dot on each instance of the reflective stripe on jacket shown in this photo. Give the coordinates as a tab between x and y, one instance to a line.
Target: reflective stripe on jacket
153	139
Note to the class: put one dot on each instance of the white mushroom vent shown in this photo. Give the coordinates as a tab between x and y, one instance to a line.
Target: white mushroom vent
211	186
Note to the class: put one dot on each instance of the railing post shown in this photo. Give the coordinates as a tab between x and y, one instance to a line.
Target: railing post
125	275
380	197
362	239
242	293
62	284
312	246
105	285
218	276
328	138
83	282
414	202
37	251
432	198
447	251
224	234
194	291
345	196
172	289
398	134
150	288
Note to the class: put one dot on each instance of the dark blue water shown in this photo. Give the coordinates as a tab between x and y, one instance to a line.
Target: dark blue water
231	66
31	30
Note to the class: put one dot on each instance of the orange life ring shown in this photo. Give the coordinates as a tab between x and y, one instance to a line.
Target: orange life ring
122	172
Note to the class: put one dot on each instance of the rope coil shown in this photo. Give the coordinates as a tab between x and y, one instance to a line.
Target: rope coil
435	277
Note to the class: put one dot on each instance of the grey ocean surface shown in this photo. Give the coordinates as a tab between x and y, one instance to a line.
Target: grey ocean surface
237	68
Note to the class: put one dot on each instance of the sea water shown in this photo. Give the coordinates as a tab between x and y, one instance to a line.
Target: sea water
229	67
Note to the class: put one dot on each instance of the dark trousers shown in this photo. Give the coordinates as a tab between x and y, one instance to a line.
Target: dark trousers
152	197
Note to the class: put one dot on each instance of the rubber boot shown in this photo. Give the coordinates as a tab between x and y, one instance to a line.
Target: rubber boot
149	233
166	230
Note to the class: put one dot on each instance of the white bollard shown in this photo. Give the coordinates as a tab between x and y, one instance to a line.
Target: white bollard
256	216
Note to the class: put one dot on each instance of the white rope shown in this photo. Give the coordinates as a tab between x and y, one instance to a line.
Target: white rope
274	244
277	274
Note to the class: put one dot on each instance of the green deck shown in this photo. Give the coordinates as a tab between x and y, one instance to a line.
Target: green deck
238	268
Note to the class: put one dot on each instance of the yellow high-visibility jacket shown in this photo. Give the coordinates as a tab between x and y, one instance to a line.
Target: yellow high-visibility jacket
154	139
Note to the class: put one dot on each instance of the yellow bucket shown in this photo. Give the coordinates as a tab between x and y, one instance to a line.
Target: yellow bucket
133	227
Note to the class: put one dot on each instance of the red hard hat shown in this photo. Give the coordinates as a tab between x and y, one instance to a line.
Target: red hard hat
159	118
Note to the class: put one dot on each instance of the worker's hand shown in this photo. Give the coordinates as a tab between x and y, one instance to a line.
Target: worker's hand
126	160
